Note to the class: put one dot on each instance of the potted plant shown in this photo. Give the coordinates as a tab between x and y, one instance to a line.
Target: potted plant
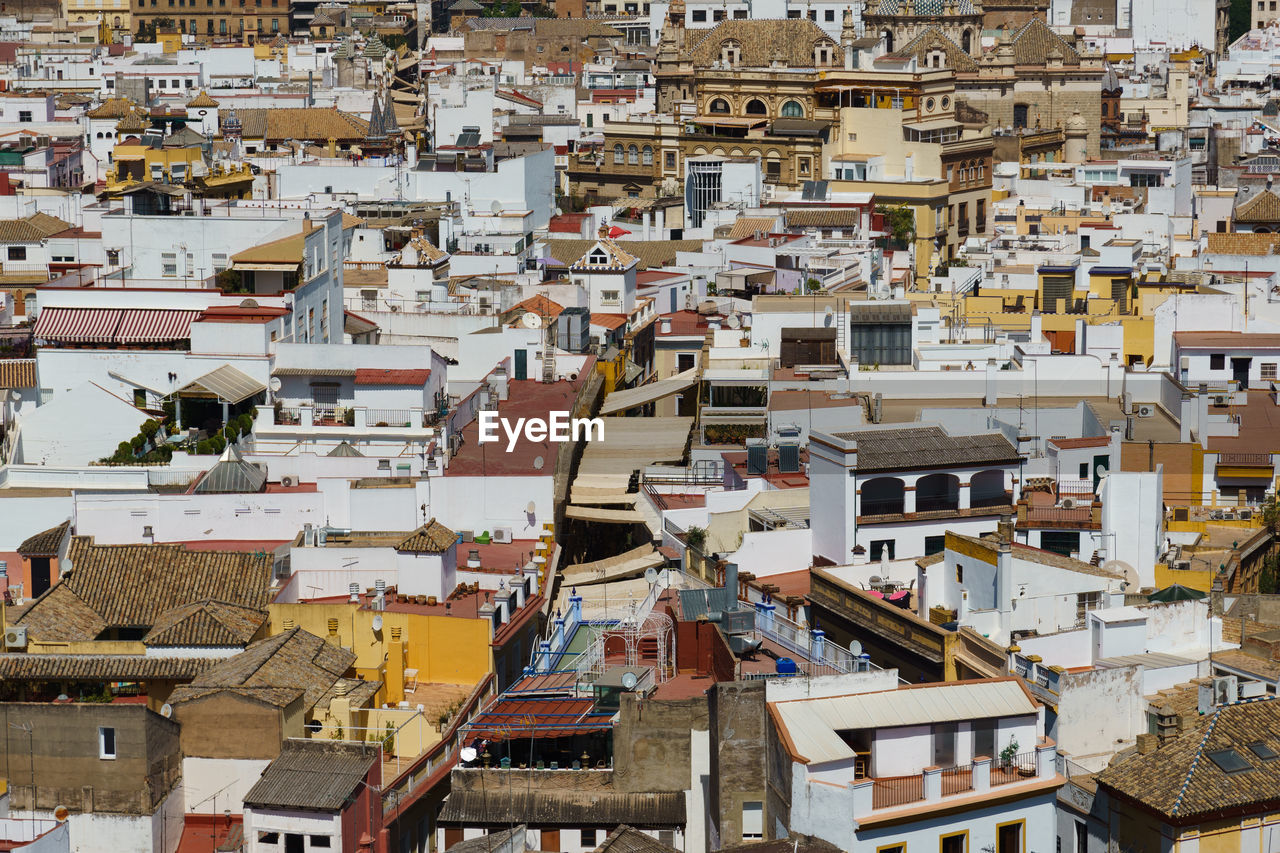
1009	754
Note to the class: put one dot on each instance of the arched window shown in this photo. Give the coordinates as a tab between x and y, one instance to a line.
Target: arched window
792	109
719	105
99	134
633	156
756	107
646	156
617	155
887	37
730	53
966	41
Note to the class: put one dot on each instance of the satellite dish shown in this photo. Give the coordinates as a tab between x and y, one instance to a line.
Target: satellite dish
531	508
828	317
538	462
629	680
275	384
531	320
467	754
17	395
61	813
855	648
377	621
166	710
650	576
559	212
733	322
496	208
1128	572
664	578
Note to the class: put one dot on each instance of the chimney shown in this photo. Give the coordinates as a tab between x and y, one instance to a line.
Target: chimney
1005	530
503	600
1147	743
517	584
731	578
473	558
354	590
666	326
992	384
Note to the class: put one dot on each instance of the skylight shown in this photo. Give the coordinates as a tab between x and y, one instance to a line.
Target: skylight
1263	751
1229	761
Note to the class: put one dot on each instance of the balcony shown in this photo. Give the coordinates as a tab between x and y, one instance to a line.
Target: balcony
935	785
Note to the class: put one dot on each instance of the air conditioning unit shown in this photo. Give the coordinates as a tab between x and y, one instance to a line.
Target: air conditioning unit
1225	690
1222	399
15	638
1068	503
502	535
289	481
1146	410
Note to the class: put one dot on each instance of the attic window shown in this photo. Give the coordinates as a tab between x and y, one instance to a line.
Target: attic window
598	257
1229	761
1263	751
730	53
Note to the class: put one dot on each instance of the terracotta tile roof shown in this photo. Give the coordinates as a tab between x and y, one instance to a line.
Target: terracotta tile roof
932	39
113	108
1263	207
1070	443
1230	243
537	304
927	447
32	229
381	376
432	538
315	123
425	249
275	671
38	667
1181	779
608	321
1244	662
823	217
1228	340
1044	558
132	585
763	41
616	258
1033	44
132	123
313	775
650	253
206	623
18	373
747	226
286	250
202	100
45	542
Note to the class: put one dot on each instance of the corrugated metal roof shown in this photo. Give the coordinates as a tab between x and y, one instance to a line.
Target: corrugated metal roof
314	775
510	718
812	724
226	383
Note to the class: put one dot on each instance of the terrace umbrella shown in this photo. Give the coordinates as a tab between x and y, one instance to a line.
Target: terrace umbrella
1177	592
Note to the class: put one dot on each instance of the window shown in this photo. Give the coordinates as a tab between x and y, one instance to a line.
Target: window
880	547
588	838
892	848
730	53
609	297
669	160
1268	370
633	156
792	109
984	738
169	263
934	545
1229	761
959	573
1009	837
24	116
646	156
1082	835
698	16
321	841
618	157
1263	751
268	838
752	821
955	843
719	106
1086	601
113	257
829	15
1217	361
17	253
106	742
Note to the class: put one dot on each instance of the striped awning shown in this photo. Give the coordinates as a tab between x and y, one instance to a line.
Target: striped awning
78	325
150	326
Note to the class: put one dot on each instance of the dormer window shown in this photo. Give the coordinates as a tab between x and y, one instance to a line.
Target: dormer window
598	257
824	54
937	59
730	53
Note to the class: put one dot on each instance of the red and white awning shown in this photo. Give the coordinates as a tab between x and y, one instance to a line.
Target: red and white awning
78	325
151	326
